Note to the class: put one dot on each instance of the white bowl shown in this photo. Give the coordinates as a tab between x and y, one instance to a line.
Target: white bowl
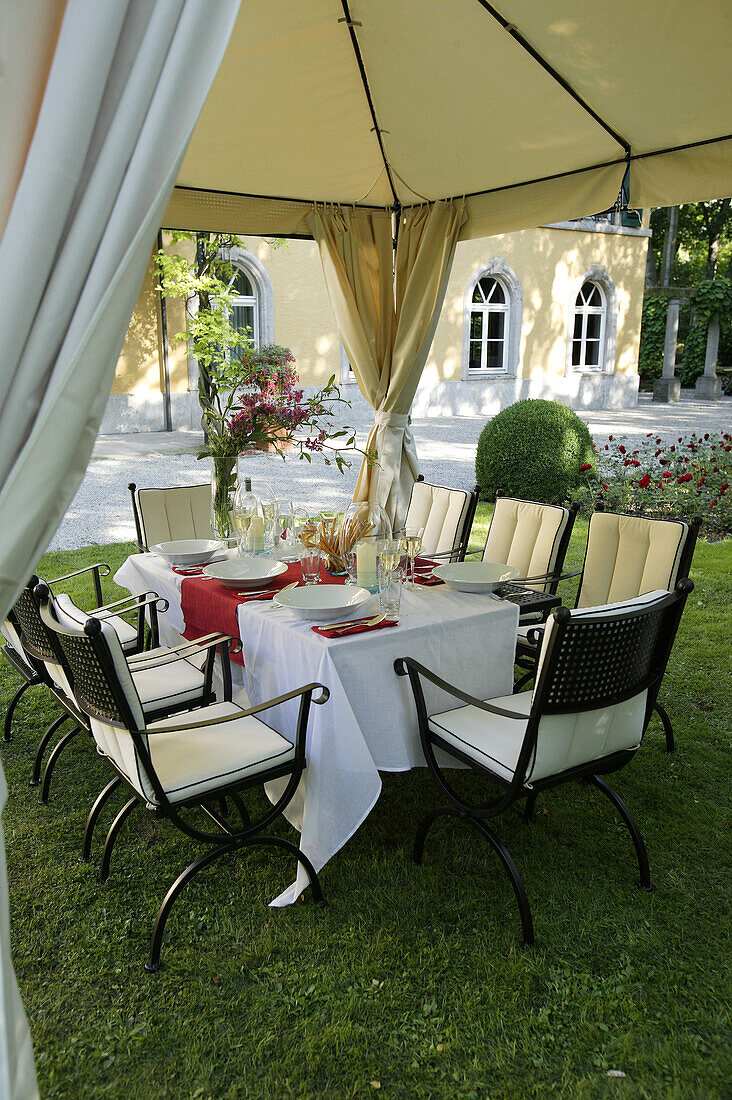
188	551
476	576
323	601
245	572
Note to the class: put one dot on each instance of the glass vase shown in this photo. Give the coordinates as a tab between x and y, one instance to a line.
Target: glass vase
223	491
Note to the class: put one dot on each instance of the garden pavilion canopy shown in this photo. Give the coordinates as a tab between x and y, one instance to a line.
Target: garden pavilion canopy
532	109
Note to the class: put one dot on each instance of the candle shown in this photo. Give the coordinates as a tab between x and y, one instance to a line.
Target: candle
255	534
366	565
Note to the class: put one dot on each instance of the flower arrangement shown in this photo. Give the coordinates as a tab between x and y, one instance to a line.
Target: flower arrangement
660	479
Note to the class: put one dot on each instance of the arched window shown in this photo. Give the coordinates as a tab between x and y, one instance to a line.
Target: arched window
588	333
245	308
489	322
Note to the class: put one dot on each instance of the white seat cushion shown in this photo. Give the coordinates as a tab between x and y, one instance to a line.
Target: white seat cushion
126	632
169	686
492	741
201	759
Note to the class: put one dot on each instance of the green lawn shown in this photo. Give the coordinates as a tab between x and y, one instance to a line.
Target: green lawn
410	983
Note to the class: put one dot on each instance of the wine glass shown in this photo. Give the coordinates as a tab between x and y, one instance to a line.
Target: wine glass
411	541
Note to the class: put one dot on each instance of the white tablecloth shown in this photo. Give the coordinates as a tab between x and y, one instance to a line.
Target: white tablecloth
369	723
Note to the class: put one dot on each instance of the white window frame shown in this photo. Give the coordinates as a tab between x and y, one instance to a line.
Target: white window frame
586	311
244	300
497	269
609	323
347	375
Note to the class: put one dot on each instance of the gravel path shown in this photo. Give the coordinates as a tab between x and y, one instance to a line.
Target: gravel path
101	511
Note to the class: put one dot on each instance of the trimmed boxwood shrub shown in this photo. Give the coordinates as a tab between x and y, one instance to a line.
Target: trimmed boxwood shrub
535	450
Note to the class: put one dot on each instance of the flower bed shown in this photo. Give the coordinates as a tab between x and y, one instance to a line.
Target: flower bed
689	477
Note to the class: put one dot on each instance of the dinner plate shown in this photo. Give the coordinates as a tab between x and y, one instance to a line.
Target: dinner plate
323	601
188	551
245	572
475	576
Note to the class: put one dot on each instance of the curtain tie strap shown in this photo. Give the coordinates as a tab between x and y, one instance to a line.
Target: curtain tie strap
391	420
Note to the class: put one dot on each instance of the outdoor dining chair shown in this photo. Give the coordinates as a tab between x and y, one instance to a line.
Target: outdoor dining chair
20	662
626	556
599	673
202	763
532	537
164	515
192	686
446	516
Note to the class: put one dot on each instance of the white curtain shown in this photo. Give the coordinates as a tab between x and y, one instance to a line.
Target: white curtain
387	309
127	82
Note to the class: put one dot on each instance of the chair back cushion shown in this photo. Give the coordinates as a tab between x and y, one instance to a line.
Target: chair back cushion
97	690
526	535
38	641
442	512
572	737
180	513
11	636
628	556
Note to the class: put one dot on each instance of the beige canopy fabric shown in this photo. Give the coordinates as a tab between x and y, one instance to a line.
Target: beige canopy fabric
386	309
530	109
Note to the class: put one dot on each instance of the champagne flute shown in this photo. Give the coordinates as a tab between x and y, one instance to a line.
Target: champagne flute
411	540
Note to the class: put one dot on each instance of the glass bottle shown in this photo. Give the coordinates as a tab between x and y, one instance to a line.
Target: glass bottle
246	513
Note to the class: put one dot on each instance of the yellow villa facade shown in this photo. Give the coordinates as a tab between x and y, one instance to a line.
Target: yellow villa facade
552	312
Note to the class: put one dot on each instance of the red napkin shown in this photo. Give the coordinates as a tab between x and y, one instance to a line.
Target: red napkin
357	628
428	581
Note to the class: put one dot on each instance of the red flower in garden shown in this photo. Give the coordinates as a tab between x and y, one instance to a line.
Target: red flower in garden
680	440
610	438
649	434
706	435
666	474
713	504
724	488
673	448
604	485
634	462
683	478
700	483
658	440
587	466
644	482
621	448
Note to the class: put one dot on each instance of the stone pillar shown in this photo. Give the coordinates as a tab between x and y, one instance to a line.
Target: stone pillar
708	385
667	388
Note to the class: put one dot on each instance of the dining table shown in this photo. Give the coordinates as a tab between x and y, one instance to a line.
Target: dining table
369	724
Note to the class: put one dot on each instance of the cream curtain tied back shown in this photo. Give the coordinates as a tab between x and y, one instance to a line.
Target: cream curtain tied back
386	308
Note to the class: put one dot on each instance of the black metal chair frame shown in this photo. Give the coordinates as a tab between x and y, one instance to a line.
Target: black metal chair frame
100	695
527	652
24	665
636	662
459	551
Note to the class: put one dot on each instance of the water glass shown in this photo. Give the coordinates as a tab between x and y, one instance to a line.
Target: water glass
390	591
310	559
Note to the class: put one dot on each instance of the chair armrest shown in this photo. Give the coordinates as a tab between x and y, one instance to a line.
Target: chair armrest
100	565
179	653
319	700
141	600
402	665
535	635
98	570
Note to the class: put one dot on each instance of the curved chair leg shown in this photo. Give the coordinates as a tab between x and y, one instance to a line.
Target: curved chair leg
43	744
52	760
287	846
156	942
527	925
528	814
425	826
7	728
243	812
640	848
93	817
114	829
668	729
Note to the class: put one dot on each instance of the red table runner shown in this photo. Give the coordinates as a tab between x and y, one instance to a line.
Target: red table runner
207	606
